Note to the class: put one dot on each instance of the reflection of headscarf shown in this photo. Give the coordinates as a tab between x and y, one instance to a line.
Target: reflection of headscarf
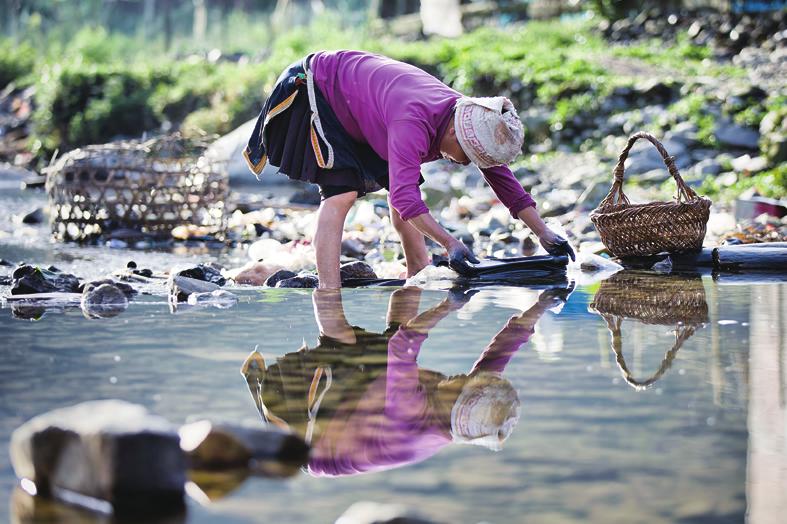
489	130
485	412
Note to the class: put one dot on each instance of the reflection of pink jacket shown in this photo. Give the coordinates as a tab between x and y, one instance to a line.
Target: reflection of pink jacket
402	113
394	423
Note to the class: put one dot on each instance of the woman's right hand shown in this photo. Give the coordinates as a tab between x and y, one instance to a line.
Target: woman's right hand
460	257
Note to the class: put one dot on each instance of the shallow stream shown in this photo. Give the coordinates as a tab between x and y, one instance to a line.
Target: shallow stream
579	440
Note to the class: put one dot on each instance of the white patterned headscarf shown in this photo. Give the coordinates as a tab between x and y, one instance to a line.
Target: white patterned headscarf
489	130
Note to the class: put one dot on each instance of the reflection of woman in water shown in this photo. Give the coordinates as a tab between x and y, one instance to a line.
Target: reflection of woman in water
363	403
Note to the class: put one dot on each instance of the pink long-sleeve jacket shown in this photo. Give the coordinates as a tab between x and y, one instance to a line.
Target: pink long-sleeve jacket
402	112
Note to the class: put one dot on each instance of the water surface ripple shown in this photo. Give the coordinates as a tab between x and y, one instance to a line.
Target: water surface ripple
646	398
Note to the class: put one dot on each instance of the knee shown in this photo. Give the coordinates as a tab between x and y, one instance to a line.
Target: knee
340	203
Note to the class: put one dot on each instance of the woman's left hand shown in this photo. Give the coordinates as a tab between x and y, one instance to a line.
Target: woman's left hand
555	244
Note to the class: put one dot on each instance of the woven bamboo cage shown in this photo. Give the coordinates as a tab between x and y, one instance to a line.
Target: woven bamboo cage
148	186
650	299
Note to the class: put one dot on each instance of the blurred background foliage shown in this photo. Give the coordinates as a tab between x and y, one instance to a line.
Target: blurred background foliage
103	69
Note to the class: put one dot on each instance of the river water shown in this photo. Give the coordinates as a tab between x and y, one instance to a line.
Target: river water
404	382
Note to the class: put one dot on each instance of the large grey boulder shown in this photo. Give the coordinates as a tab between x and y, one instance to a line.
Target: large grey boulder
220	445
109	450
229	148
734	135
643	157
593	194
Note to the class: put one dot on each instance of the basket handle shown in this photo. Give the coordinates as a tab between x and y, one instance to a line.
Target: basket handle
616	195
681	336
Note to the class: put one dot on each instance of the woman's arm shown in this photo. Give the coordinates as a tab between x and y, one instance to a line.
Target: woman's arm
408	143
522	206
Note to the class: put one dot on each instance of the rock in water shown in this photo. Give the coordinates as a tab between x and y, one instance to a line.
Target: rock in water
356	269
374	513
127	290
181	287
109	450
103	301
216	445
254	273
204	272
220	299
300	281
34	217
29	279
282	274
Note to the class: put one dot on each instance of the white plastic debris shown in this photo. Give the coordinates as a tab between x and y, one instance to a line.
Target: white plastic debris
432	277
393	269
294	256
665	266
590	268
219	299
590	262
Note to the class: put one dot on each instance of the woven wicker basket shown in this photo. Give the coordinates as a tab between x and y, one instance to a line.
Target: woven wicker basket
650	299
647	229
150	187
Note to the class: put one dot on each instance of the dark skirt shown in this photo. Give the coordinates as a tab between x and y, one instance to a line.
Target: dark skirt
288	142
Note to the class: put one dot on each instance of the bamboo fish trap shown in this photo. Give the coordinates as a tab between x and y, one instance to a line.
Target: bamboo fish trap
148	186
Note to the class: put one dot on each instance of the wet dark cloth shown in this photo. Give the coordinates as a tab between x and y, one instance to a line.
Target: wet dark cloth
285	136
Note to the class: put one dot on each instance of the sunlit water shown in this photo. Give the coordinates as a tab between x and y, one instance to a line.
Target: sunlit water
587	445
578	441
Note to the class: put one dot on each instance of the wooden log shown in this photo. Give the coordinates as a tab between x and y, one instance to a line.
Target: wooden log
702	259
757	245
742	257
754	276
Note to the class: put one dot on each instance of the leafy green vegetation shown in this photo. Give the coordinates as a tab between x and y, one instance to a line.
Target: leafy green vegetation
16	62
699	109
97	86
82	105
771	183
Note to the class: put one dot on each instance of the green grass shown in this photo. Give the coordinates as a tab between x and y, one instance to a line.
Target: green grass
95	86
695	107
771	183
16	62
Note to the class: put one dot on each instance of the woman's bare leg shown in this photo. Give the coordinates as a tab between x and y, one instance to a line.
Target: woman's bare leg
329	312
403	305
413	243
328	237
